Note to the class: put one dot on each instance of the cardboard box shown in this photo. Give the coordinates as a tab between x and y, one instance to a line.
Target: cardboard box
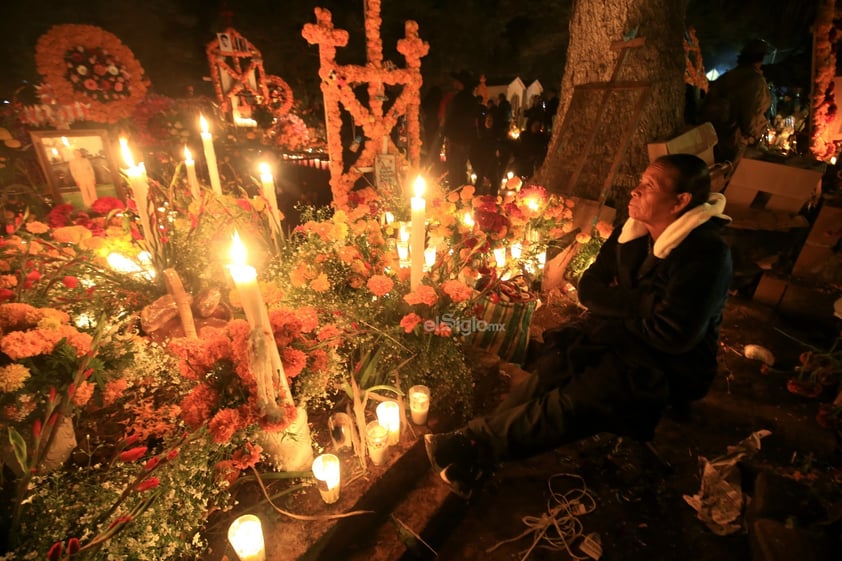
817	257
698	140
783	187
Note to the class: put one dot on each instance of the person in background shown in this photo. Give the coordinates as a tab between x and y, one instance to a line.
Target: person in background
550	109
737	102
531	148
461	128
485	158
84	176
654	297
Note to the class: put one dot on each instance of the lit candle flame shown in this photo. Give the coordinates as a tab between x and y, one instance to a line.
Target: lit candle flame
65	141
238	252
533	204
188	157
468	219
203	123
126	152
264	168
419	186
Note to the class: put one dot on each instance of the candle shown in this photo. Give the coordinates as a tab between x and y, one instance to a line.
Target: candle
245	279
388	217
326	471
403	253
429	257
389	415
468	219
378	441
500	256
419	404
267	183
516	250
191	173
417	233
403	233
139	184
246	537
210	156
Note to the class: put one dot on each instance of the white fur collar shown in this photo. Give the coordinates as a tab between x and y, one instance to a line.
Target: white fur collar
678	230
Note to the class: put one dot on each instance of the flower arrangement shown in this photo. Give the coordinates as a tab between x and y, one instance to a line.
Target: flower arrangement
84	63
588	246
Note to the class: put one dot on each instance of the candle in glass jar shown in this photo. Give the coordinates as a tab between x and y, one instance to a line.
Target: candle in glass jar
377	438
246	537
327	473
389	415
419	403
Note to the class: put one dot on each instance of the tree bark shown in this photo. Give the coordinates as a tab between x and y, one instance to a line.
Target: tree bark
594	26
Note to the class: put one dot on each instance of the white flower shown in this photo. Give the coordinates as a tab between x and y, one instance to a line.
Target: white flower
113	70
81	69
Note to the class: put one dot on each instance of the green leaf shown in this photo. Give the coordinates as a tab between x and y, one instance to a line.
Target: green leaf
19	446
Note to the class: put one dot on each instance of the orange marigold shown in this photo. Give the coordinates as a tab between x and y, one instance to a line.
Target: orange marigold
424	294
380	285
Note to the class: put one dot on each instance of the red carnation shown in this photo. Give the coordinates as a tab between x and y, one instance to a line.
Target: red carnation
133	454
70	282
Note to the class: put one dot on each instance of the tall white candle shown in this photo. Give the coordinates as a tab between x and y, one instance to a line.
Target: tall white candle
191	173
267	184
139	184
245	279
210	156
417	233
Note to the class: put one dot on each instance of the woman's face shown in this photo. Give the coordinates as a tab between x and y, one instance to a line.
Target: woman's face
654	200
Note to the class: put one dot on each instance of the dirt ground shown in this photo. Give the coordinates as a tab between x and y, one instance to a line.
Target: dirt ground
635	504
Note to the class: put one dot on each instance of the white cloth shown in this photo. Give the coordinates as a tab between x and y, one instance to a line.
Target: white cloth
680	228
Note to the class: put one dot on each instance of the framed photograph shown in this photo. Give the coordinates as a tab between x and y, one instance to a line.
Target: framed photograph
225	45
79	165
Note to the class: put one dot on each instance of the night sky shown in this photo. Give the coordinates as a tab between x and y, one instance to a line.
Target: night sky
501	38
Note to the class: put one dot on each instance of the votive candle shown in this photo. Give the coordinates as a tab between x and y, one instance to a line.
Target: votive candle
419	403
327	473
246	537
377	438
389	415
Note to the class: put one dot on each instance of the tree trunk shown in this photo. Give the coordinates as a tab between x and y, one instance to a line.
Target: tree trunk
590	126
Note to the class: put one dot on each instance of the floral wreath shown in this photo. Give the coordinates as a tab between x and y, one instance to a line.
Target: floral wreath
86	64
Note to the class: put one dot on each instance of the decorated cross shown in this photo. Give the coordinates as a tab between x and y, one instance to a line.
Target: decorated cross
237	74
337	82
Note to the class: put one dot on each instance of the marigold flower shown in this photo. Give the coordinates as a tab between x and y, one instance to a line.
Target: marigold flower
457	290
224	424
36	227
294	361
320	283
83	394
380	285
410	321
424	294
13	377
